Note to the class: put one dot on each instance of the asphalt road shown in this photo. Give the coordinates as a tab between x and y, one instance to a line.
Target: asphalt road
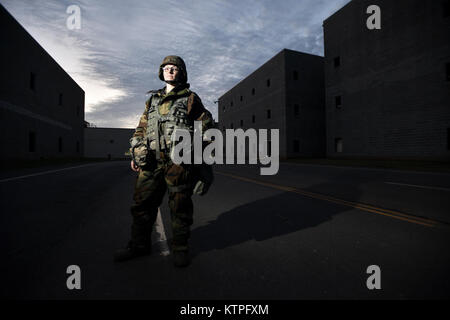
310	232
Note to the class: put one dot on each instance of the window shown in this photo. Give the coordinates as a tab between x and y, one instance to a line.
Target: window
223	108
78	147
295	75
253	91
337	62
338	101
296	146
223	128
32	141
231	126
268	82
446	8
296	110
253	118
268	114
242	123
60	144
448	138
60	99
111	141
32	81
447	69
231	104
242	98
338	145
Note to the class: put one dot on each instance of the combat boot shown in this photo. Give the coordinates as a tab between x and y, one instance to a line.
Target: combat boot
181	258
131	252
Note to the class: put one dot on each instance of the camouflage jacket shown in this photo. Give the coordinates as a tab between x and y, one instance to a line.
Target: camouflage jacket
195	110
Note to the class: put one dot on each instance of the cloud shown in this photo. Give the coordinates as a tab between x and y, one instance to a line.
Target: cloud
116	54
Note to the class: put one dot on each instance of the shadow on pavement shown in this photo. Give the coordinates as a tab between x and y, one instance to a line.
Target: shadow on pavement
279	215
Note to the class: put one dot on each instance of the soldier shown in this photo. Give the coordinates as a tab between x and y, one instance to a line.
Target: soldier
173	107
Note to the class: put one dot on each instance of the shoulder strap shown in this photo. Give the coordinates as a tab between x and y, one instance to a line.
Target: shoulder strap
148	103
154	91
190	101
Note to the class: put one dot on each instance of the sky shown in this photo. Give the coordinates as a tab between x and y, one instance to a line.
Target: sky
115	54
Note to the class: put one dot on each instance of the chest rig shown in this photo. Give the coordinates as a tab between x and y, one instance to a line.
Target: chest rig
160	127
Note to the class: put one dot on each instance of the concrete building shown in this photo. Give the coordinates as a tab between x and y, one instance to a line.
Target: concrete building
388	89
286	93
107	143
41	106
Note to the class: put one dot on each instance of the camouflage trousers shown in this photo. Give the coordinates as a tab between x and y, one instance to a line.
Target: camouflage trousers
150	188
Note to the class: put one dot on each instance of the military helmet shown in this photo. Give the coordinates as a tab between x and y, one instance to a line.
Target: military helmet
176	61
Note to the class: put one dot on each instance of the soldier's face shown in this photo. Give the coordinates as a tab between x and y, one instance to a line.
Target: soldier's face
170	72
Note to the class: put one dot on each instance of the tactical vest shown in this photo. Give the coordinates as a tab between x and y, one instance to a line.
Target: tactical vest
160	127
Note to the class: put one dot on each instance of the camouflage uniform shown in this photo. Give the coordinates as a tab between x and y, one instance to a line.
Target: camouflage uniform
159	173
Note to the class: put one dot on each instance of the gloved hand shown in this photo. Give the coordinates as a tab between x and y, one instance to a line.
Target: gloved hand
200	188
139	154
205	178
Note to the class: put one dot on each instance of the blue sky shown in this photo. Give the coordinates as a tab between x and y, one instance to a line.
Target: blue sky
115	55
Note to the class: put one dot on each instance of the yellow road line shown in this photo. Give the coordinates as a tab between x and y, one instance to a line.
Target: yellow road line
360	206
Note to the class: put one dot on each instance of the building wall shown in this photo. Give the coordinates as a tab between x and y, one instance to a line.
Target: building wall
108	143
280	98
266	96
393	82
41	106
305	105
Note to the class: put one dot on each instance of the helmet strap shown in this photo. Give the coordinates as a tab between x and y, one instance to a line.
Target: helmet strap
173	82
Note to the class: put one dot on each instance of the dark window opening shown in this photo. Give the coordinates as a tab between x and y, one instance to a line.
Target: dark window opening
32	81
242	123
296	110
268	82
268	114
231	104
111	141
78	146
253	91
296	146
223	108
337	62
338	101
32	141
60	99
223	128
231	126
242	98
253	118
295	75
338	143
447	69
446	8
60	144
